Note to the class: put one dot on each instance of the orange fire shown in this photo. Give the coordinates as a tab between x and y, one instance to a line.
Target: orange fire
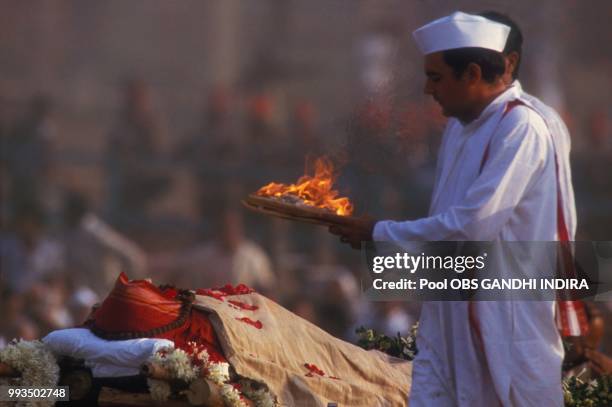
314	191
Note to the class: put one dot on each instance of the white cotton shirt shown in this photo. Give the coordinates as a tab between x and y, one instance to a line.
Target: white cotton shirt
512	199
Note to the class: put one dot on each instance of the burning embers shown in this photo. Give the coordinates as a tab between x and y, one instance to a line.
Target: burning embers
316	191
311	199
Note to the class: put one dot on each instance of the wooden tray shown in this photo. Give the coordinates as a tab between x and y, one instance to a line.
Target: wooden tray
301	213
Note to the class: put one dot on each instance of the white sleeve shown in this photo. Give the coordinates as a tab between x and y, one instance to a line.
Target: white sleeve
516	157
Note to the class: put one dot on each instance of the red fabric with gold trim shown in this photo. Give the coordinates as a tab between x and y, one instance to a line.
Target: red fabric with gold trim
139	306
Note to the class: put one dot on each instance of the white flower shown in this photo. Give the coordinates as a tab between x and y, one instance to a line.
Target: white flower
160	390
218	372
183	365
592	386
177	362
203	356
36	364
231	396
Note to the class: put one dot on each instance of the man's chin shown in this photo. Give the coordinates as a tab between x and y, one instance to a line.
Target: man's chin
445	111
448	112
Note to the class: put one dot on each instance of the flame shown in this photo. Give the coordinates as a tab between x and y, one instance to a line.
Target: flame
314	191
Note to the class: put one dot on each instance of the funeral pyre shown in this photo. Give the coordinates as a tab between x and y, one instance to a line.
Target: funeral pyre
178	364
315	191
216	347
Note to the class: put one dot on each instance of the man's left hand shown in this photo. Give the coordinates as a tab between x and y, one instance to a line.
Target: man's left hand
358	231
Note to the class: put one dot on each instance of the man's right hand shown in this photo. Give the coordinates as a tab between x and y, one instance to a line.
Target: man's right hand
358	231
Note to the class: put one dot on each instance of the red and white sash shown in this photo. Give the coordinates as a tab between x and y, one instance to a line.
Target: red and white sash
571	316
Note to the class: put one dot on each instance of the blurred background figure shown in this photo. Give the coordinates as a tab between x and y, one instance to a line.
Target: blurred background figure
47	303
213	146
132	152
304	131
95	253
228	258
398	317
81	302
262	131
27	151
599	362
15	322
28	253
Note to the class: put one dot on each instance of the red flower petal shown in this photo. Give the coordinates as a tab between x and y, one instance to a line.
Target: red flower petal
244	306
314	369
256	324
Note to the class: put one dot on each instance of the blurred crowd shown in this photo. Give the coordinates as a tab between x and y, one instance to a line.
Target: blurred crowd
61	250
61	253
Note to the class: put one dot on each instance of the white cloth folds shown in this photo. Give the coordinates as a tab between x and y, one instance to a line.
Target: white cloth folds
104	358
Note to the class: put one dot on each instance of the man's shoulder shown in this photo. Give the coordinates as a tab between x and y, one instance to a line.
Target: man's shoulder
524	114
547	112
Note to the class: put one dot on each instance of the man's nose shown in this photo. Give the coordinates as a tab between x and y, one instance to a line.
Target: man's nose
428	89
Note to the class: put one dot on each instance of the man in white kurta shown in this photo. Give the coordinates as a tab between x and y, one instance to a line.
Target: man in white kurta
514	198
506	194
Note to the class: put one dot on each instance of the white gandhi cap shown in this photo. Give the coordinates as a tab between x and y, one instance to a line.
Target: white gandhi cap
461	30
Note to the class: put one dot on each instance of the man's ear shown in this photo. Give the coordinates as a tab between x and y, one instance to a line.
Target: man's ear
473	73
512	60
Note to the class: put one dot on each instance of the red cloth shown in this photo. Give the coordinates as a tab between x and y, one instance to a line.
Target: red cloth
135	305
197	329
138	306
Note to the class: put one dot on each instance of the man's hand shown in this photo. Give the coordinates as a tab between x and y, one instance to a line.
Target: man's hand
358	231
600	363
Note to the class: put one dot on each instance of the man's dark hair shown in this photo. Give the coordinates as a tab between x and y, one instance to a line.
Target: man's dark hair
491	63
514	43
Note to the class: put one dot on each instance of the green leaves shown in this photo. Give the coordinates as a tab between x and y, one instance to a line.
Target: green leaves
403	347
595	393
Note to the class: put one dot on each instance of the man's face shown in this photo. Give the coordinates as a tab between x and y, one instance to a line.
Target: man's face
451	93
